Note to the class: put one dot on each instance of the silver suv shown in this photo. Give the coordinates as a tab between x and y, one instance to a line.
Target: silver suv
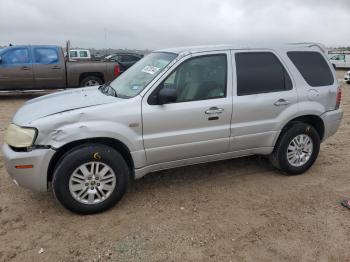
175	107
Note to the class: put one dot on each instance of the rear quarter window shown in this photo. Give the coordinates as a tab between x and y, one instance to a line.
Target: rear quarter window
313	67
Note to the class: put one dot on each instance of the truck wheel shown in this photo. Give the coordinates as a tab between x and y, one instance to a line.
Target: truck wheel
296	149
91	81
90	178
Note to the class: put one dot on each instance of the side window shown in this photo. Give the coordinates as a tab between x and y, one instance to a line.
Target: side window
83	54
16	56
260	72
313	67
129	58
117	58
73	54
44	55
199	78
338	57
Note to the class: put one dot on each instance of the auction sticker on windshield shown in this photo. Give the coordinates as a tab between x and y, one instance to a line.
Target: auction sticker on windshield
150	70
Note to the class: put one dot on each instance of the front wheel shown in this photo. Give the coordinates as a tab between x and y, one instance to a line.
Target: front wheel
90	178
297	149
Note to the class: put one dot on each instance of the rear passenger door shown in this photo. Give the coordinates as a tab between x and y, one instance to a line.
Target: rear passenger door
49	71
264	98
16	70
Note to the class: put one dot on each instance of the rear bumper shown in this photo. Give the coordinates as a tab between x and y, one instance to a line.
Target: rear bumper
331	120
34	178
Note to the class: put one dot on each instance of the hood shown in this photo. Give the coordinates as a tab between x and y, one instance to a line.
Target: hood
60	102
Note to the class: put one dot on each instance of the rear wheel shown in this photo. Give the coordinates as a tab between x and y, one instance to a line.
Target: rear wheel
296	149
91	81
90	178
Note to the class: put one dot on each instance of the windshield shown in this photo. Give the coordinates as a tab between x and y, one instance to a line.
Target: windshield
137	77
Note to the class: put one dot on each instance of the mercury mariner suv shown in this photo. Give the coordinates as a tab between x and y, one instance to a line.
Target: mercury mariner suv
175	107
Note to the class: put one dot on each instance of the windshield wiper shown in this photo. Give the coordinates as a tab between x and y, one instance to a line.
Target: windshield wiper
107	90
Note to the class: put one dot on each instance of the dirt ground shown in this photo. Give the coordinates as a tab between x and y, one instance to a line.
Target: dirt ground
234	210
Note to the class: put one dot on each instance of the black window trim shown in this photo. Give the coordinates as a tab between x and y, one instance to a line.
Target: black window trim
280	61
157	89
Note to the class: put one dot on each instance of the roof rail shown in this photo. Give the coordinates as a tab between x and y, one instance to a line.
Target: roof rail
311	44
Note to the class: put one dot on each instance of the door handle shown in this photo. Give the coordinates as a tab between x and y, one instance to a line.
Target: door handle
214	110
25	68
281	102
56	67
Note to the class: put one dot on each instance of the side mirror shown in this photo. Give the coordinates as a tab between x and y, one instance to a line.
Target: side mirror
167	95
0	59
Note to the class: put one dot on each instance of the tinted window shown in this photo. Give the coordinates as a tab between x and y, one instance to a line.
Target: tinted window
16	56
116	58
45	55
199	78
313	67
260	72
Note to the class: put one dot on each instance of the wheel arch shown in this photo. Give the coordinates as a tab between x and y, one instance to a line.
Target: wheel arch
314	120
87	74
114	143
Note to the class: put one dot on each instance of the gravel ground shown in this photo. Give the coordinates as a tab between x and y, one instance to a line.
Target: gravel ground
234	210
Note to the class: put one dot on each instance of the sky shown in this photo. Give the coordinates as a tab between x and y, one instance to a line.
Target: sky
168	23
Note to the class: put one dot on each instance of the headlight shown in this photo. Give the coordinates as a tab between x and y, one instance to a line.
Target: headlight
17	136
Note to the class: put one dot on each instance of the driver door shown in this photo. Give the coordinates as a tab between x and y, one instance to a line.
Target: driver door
198	123
16	69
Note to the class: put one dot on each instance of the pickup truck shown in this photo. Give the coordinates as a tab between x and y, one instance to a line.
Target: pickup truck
37	67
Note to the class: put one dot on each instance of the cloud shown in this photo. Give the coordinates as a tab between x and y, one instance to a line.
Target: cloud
164	23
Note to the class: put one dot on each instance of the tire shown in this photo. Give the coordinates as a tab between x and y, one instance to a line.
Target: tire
283	148
91	81
107	189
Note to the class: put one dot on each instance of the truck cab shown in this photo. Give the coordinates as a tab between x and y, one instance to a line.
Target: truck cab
32	67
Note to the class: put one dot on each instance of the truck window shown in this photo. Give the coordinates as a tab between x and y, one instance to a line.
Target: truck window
73	54
16	56
45	55
313	67
338	57
83	54
260	72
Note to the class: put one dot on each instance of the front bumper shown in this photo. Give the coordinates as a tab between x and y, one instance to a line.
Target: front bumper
331	120
34	178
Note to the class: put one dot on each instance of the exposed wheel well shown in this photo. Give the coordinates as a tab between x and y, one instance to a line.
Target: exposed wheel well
116	144
313	120
96	74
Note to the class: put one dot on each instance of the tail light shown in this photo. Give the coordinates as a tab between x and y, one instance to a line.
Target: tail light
116	70
337	104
